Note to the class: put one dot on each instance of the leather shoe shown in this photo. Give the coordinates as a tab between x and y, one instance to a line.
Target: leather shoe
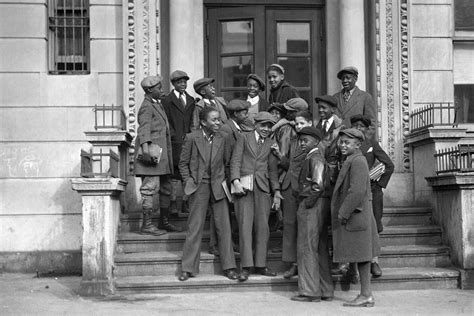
244	275
231	274
304	298
375	270
361	301
184	276
265	271
214	251
291	271
327	298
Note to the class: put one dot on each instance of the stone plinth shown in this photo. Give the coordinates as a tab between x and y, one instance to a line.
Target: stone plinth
100	219
454	212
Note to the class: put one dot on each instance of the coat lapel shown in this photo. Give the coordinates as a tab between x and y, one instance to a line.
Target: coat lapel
200	144
351	102
216	145
253	143
344	170
176	102
159	108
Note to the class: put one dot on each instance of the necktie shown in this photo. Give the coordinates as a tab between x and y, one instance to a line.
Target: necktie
260	141
325	126
346	95
182	98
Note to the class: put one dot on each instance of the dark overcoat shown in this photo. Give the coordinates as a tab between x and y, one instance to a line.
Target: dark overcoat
153	128
356	241
360	102
282	93
372	151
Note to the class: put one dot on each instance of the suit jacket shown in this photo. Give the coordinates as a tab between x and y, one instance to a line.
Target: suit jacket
311	178
220	106
229	128
248	158
153	128
192	163
282	93
292	165
360	102
372	151
180	120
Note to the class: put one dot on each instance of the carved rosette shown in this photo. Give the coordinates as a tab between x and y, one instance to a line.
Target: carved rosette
404	84
131	73
390	80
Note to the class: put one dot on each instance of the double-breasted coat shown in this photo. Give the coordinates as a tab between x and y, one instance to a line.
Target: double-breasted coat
360	102
153	127
357	240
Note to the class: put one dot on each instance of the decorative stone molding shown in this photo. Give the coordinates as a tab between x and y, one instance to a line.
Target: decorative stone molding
390	90
146	38
131	75
378	70
404	84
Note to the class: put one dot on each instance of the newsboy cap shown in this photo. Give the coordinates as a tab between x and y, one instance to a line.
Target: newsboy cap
238	105
296	104
201	83
264	117
311	131
178	74
259	80
277	67
353	133
329	99
151	81
280	107
348	70
362	118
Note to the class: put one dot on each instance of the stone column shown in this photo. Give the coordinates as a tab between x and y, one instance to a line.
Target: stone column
352	38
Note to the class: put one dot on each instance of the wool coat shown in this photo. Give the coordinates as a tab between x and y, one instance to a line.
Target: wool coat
282	93
360	102
357	240
153	127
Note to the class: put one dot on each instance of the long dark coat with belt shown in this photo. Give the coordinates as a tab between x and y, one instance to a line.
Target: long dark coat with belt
180	119
153	127
356	241
360	102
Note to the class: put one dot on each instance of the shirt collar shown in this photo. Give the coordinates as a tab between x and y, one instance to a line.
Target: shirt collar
177	94
236	125
312	151
210	137
253	100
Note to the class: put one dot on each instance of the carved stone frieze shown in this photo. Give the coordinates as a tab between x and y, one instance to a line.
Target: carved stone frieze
404	82
131	74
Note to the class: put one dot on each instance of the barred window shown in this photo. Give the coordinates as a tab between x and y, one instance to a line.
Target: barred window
69	42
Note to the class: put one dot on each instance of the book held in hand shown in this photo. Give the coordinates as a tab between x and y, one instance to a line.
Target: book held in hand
155	151
246	182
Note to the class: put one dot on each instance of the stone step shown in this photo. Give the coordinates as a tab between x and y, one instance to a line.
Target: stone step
392	279
392	235
169	262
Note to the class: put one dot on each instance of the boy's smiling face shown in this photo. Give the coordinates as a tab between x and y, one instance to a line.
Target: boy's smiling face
325	110
180	85
274	78
301	122
208	92
253	88
348	145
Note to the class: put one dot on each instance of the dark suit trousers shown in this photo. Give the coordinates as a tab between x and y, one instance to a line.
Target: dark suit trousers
253	210
289	206
198	204
377	205
314	274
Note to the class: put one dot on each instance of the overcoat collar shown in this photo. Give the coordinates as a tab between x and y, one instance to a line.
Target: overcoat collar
158	108
345	169
177	103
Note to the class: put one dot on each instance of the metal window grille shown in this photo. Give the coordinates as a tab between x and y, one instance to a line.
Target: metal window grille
69	42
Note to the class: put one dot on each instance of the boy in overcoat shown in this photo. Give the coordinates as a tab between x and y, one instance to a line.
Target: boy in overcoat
314	275
252	156
355	237
153	168
280	90
203	163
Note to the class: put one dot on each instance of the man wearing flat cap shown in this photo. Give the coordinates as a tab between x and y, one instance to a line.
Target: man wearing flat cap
313	216
253	165
179	108
351	100
355	237
205	88
153	157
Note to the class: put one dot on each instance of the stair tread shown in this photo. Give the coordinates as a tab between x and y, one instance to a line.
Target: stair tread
167	256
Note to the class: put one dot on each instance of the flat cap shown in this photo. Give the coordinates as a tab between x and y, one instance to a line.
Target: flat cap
348	70
151	81
201	83
178	74
277	67
264	117
329	99
353	133
259	80
280	107
296	104
238	105
362	118
311	131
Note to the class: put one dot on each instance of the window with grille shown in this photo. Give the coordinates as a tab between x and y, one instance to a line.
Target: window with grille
69	36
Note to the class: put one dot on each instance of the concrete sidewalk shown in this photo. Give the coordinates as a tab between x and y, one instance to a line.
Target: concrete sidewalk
23	294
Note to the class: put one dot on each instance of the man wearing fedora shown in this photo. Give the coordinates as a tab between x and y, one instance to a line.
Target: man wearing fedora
351	100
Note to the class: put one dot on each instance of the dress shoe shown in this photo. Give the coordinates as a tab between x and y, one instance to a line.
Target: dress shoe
304	298
264	271
291	271
327	298
341	269
361	301
231	274
375	270
184	276
244	275
214	251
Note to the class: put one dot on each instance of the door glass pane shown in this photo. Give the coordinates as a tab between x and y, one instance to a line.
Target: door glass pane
231	95
237	37
297	70
293	38
235	70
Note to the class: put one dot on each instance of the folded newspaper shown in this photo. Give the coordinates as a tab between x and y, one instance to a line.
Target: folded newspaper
376	171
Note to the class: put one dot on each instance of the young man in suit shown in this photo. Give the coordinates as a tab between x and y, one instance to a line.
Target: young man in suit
154	167
252	156
179	108
355	237
351	100
372	151
314	277
203	163
205	88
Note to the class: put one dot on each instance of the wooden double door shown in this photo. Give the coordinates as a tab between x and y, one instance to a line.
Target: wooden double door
247	39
